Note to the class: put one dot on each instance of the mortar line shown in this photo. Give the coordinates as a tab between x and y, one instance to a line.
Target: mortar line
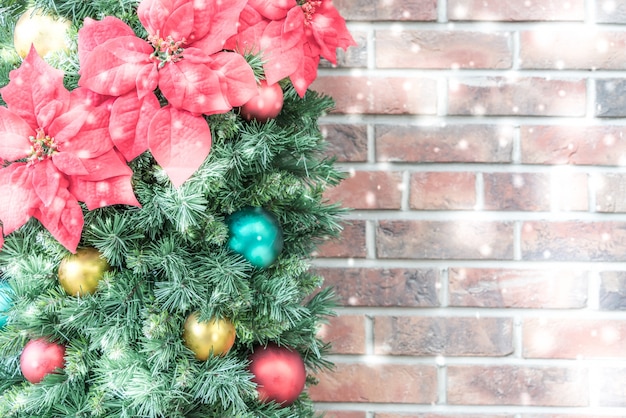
444	287
479	190
442	11
371	143
405	204
369	335
442	384
517	241
370	239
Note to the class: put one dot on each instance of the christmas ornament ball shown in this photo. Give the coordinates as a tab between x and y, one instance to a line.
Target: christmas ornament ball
80	273
266	105
279	373
45	32
216	336
41	357
6	300
256	235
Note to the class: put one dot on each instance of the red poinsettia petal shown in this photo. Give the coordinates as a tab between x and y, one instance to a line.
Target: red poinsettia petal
46	180
83	131
193	86
63	218
130	118
84	97
107	165
111	191
35	91
237	78
179	23
251	26
14	134
97	32
69	164
282	44
330	31
214	22
306	73
147	80
179	141
111	69
18	197
167	17
273	9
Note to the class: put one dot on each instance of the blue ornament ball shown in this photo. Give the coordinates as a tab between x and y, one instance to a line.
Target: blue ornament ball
6	300
255	234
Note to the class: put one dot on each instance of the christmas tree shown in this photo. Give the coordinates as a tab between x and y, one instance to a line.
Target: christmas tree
161	194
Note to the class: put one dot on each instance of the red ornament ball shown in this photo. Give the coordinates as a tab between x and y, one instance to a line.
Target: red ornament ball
278	372
265	105
41	357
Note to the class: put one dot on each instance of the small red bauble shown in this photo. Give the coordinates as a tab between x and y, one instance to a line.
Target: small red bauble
41	357
265	105
279	374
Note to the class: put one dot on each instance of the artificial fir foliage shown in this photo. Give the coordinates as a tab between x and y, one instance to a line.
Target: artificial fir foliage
163	233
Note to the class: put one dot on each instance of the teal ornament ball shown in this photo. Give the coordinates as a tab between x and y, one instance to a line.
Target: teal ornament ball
6	300
256	235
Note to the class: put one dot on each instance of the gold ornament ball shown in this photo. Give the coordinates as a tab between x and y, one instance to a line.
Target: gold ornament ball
80	273
45	32
216	336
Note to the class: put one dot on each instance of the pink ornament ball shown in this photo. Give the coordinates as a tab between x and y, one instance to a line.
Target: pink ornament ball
41	357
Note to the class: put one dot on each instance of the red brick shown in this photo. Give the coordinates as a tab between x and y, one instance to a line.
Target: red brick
556	191
380	95
351	243
346	333
607	102
443	191
610	11
581	48
567	416
383	287
610	192
517	385
426	336
442	144
445	240
451	415
346	142
443	49
393	383
578	145
574	241
344	414
519	288
613	290
529	96
369	190
612	387
574	338
380	10
514	10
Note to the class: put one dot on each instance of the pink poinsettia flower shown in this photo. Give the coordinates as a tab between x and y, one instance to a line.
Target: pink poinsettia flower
276	30
183	58
291	37
56	152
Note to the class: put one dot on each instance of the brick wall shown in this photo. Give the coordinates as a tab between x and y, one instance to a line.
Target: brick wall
482	272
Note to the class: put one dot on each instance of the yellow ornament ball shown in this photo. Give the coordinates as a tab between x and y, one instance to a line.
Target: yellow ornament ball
80	273
216	336
47	33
